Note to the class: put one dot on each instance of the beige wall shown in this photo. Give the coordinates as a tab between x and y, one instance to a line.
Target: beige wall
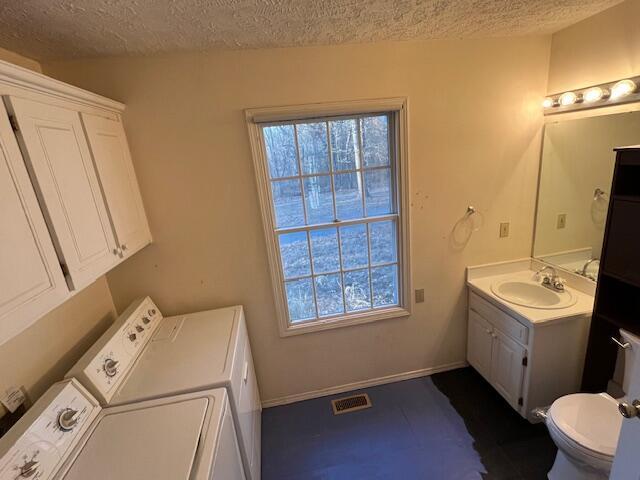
11	57
43	353
474	127
600	49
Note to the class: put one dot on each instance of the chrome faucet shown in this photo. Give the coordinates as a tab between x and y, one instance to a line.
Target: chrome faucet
553	281
583	271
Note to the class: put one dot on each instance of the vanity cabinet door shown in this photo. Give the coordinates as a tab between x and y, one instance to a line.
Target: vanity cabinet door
31	280
506	367
58	158
108	144
480	344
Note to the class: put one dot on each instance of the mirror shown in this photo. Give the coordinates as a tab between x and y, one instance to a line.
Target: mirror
573	192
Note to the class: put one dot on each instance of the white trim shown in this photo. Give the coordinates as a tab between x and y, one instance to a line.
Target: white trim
397	107
312	110
24	79
396	377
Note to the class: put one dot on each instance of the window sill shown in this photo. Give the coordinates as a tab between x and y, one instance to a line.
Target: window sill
345	321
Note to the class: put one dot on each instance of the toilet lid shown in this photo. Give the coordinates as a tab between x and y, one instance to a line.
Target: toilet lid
591	420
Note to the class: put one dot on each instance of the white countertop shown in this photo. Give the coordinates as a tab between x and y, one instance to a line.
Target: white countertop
480	279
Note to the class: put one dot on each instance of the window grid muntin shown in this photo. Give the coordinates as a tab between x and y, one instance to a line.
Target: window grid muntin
394	216
342	270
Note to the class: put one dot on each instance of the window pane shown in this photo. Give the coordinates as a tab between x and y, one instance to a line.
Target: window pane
324	250
375	141
382	236
300	300
318	199
287	200
377	187
353	241
281	150
344	144
348	195
356	290
329	294
384	283
294	251
312	142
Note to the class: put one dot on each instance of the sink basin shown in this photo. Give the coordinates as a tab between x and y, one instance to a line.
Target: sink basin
533	295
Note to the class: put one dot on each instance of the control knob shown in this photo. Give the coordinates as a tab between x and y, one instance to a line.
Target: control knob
110	367
145	320
152	312
67	419
139	329
29	469
132	337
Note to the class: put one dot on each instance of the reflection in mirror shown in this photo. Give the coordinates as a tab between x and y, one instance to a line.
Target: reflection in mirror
573	193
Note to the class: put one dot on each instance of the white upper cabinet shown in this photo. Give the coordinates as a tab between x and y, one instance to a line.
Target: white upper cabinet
108	144
31	281
56	151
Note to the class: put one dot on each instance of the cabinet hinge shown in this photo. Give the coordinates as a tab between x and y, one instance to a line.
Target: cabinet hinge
13	123
525	361
520	401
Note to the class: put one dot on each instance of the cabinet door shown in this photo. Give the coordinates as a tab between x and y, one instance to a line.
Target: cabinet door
108	144
506	368
56	150
31	280
479	344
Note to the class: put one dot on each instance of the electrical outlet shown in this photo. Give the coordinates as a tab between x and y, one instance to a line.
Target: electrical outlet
419	295
562	221
504	229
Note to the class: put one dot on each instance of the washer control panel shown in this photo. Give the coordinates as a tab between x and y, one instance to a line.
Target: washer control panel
107	363
46	434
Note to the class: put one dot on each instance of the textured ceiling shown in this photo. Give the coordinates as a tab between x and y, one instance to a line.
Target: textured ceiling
48	29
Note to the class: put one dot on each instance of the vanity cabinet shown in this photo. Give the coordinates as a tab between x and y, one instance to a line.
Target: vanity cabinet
529	364
497	357
70	205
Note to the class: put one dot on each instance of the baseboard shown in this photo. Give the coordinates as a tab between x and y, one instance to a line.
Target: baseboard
396	377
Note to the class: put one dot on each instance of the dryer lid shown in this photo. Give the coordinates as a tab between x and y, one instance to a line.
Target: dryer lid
591	420
157	442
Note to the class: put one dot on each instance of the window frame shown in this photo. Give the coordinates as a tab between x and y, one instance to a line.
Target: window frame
396	108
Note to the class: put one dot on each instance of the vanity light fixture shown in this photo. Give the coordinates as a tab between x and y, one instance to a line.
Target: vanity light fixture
594	94
612	93
569	98
623	88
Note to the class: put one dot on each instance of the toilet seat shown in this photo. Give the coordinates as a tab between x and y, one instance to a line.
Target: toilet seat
587	423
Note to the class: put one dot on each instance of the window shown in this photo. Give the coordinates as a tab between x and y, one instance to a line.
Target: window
334	205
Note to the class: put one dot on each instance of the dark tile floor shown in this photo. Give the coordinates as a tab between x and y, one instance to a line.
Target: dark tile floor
452	425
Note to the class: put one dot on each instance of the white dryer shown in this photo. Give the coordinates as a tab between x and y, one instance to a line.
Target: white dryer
66	435
144	356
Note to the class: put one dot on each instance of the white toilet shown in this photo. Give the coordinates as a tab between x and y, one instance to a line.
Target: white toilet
585	426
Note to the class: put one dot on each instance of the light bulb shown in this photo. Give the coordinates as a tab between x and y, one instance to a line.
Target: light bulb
548	102
622	89
568	98
594	94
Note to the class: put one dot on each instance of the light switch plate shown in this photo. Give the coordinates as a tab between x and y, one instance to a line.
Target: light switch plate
562	221
419	294
504	229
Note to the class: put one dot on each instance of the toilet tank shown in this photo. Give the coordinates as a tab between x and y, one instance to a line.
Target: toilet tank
631	358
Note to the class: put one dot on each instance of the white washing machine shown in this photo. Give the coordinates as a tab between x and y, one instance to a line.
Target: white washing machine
66	435
144	356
